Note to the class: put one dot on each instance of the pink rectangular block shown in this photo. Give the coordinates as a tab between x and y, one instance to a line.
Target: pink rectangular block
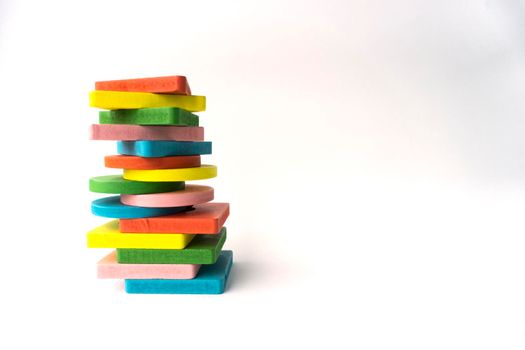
108	267
126	132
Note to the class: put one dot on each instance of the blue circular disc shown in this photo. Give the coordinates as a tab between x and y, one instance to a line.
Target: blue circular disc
111	207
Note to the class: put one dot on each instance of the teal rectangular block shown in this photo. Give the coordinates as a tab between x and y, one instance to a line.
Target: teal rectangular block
146	148
211	279
202	250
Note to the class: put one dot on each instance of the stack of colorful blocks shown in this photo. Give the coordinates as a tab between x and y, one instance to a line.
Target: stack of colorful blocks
168	235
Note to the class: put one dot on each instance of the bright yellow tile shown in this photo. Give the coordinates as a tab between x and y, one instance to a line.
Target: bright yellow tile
109	236
182	174
132	100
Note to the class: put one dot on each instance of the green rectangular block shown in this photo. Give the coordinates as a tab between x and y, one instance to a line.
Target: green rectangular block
149	116
203	250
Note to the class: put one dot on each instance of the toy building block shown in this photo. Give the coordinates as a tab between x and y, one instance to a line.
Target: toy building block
211	279
119	132
175	84
191	195
117	185
202	250
182	174
109	236
207	218
108	267
163	148
133	100
149	116
142	163
111	207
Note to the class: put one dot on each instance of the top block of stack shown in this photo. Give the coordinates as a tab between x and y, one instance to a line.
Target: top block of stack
171	91
176	85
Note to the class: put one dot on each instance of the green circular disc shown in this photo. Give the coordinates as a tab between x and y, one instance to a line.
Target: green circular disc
117	185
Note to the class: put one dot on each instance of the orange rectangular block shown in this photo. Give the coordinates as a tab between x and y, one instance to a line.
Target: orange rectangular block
176	85
207	218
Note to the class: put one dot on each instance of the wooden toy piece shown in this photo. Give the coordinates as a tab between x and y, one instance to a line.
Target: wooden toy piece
182	174
203	249
211	279
141	163
176	84
133	100
111	207
207	218
108	236
108	267
139	132
163	148
191	195
149	116
115	184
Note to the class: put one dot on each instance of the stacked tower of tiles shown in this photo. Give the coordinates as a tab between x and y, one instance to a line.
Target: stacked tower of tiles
167	234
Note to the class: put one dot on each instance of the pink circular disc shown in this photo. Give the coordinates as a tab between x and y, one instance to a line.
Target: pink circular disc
191	195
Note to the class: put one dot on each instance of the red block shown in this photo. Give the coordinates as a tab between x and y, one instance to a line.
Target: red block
175	85
207	218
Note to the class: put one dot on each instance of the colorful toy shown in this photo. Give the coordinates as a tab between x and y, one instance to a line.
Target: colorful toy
191	195
203	249
181	174
176	84
163	148
131	100
149	116
206	218
139	132
168	236
119	185
108	267
141	163
111	207
211	280
109	236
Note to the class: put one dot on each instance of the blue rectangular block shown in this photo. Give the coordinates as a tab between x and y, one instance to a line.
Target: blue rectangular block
211	279
163	148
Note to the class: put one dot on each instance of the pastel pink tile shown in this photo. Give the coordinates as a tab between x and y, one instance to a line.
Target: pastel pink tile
128	132
108	267
191	195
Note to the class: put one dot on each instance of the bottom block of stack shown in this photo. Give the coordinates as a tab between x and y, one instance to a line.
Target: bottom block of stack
211	279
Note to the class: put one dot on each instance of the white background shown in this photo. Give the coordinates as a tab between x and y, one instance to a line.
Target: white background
372	153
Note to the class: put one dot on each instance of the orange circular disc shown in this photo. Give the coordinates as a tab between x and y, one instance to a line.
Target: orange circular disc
141	163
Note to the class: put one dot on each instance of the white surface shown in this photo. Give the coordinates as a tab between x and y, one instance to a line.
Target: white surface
372	153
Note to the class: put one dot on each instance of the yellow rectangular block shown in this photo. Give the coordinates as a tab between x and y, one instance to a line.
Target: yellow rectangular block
109	236
132	100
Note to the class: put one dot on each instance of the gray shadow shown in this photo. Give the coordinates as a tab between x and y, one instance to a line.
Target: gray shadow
245	275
